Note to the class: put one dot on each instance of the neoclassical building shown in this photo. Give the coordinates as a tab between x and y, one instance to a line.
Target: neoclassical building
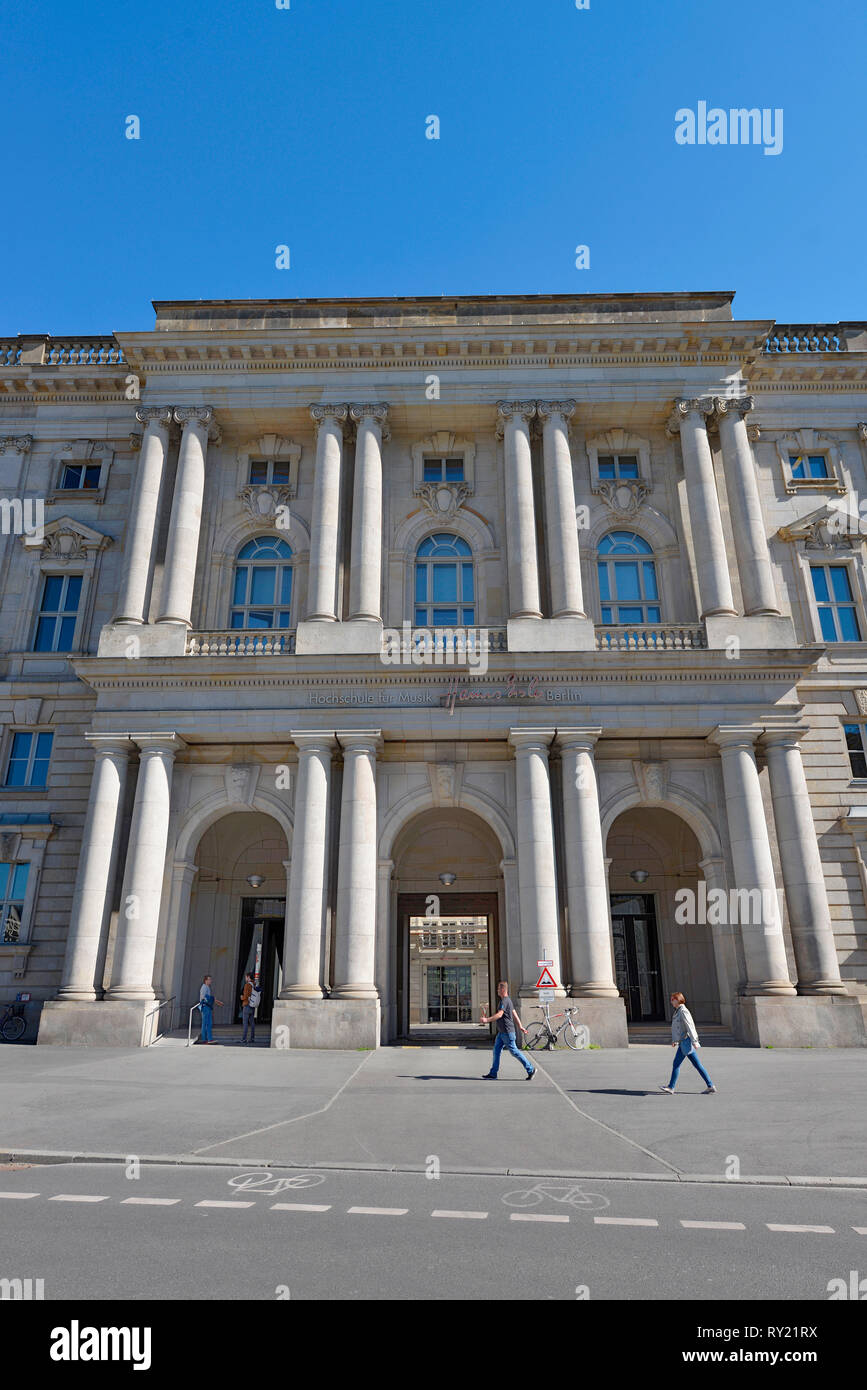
390	647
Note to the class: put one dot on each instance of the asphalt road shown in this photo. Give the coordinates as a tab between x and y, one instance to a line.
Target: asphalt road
92	1232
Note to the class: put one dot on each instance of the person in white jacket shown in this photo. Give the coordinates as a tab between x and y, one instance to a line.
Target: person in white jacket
685	1038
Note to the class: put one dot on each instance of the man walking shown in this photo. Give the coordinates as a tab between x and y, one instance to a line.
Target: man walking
249	1000
505	1018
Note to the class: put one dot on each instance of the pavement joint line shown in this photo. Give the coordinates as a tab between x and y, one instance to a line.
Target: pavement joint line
236	1138
602	1125
56	1157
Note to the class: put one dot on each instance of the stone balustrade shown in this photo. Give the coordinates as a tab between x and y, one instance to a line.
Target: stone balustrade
806	337
651	637
242	642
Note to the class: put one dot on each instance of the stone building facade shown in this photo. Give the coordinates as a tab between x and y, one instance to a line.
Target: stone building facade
325	619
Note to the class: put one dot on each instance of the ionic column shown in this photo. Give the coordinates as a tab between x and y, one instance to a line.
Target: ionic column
714	582
182	547
764	947
325	521
803	876
138	558
365	573
514	426
141	896
751	541
561	526
537	878
97	863
305	908
586	875
355	925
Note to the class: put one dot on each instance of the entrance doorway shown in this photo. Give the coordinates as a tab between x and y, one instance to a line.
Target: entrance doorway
260	951
636	956
448	964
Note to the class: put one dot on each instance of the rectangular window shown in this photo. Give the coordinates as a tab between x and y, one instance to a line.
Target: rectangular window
55	625
835	601
443	470
29	756
269	471
80	476
618	466
856	745
807	466
13	890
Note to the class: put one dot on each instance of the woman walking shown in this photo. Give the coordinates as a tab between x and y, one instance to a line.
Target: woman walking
685	1038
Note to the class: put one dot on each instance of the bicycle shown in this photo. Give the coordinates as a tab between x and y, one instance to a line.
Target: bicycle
12	1024
541	1035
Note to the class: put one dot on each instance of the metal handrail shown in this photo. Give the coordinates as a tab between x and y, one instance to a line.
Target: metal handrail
170	1000
190	1029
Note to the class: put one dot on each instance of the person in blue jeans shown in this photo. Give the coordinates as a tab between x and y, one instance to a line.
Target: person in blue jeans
207	1001
685	1038
506	1018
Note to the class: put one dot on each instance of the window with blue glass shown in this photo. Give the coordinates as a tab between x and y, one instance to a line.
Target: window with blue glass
805	467
835	601
58	611
627	580
262	592
84	476
444	583
29	756
13	891
443	470
856	747
264	471
618	465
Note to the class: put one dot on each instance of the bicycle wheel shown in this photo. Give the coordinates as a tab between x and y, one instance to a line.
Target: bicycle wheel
571	1037
13	1028
537	1037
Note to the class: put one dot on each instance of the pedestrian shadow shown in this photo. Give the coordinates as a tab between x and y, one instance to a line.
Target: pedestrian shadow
602	1091
406	1076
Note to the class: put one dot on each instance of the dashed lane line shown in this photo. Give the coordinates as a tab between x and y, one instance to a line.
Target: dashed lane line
463	1215
225	1204
801	1230
298	1206
76	1197
377	1211
535	1216
21	1196
860	1230
714	1225
626	1221
150	1201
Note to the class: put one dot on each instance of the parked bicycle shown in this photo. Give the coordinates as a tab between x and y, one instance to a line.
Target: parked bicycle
541	1034
12	1023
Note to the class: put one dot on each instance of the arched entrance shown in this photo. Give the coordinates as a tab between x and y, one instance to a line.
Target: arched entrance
232	925
446	951
661	939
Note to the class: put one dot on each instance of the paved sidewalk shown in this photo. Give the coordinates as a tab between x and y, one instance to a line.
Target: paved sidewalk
778	1113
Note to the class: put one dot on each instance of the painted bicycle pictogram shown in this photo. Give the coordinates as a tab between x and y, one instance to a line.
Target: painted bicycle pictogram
270	1184
570	1192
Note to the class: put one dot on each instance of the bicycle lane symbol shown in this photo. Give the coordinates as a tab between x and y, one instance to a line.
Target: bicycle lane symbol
570	1193
270	1185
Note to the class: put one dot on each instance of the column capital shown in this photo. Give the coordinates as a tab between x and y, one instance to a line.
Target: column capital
524	740
155	416
735	407
507	410
110	744
685	406
376	412
582	739
360	740
862	432
736	736
546	410
336	412
158	742
202	415
323	741
787	737
16	444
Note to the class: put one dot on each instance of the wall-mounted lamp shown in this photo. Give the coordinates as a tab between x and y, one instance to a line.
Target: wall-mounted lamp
255	880
447	879
640	875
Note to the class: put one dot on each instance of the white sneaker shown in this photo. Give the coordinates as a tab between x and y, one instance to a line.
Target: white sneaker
667	1088
709	1091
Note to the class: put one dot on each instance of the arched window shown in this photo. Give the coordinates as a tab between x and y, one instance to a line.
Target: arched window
445	594
262	592
627	580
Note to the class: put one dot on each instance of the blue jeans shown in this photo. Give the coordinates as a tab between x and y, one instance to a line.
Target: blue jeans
685	1049
248	1013
207	1023
507	1040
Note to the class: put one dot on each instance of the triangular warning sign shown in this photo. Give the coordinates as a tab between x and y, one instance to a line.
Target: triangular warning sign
546	980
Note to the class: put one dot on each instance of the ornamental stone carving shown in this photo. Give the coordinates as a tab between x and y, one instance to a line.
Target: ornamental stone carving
265	502
861	700
624	495
652	779
507	409
19	444
443	500
684	407
202	415
241	781
377	412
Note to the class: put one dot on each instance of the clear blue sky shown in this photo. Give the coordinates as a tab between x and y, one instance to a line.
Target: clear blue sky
306	127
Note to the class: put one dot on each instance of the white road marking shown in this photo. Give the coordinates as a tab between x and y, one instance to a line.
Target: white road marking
714	1225
626	1221
464	1215
75	1197
225	1204
377	1211
534	1216
297	1206
812	1230
150	1201
20	1196
860	1230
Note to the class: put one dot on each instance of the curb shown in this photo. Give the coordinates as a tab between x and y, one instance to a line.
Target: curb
48	1156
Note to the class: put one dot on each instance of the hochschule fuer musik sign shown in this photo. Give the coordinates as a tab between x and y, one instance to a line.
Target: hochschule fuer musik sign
514	689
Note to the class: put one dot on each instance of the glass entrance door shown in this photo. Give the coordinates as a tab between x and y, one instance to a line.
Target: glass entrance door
261	952
449	994
636	956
